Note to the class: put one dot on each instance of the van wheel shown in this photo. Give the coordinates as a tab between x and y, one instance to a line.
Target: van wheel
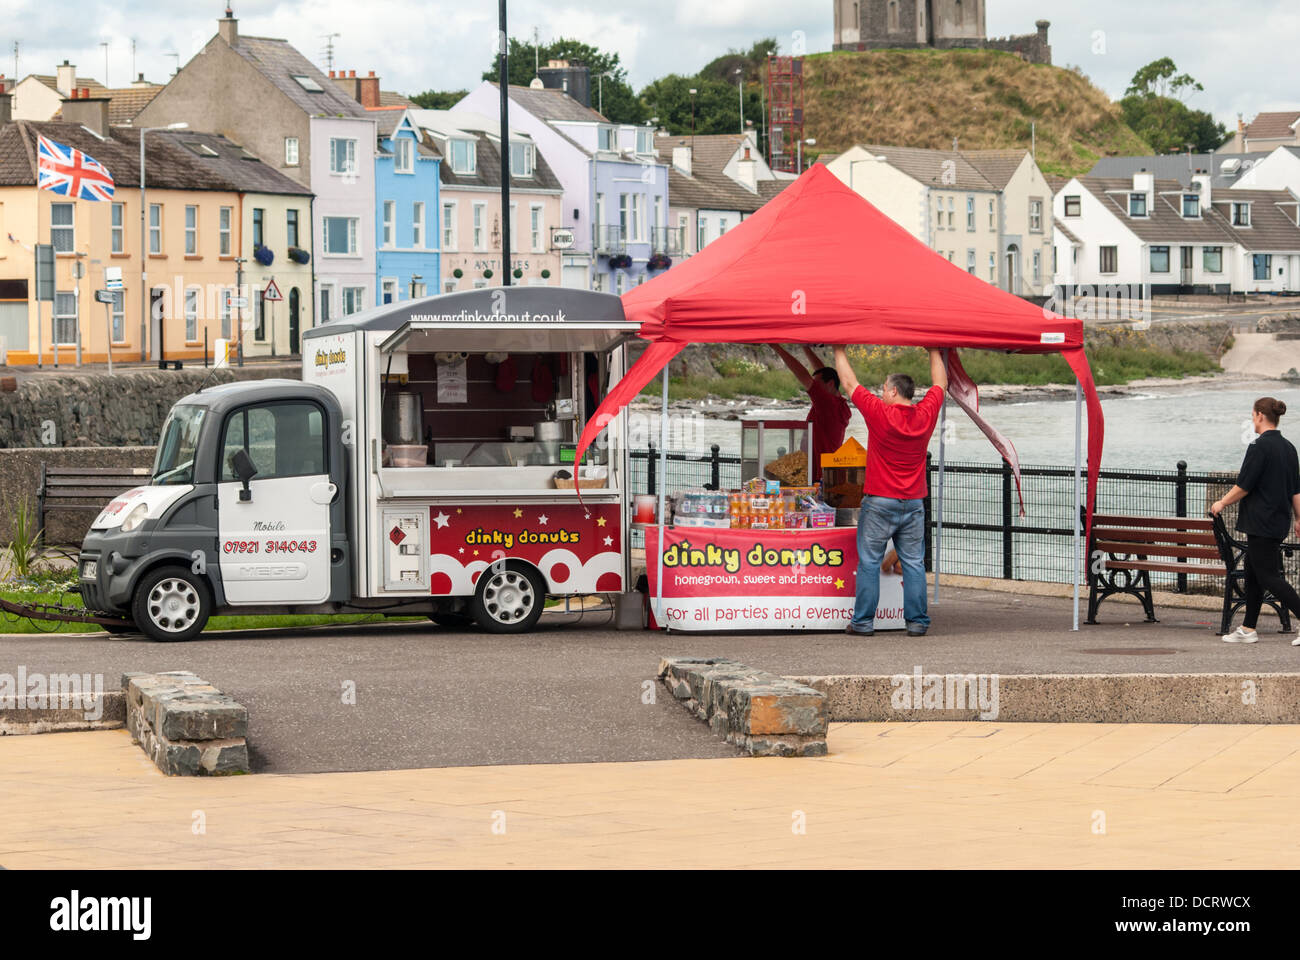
171	603
509	600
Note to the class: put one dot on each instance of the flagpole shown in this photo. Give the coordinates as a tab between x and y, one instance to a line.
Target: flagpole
40	334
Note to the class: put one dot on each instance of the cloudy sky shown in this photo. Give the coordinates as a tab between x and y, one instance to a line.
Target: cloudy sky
1243	53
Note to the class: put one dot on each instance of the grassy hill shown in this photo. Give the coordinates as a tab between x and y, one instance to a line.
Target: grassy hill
985	98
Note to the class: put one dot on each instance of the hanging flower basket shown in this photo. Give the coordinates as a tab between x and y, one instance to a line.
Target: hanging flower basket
299	255
458	273
660	261
263	255
620	261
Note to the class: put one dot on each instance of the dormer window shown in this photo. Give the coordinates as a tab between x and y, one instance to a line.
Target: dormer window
645	141
1191	206
607	139
463	156
1137	204
1241	214
403	155
1072	206
521	159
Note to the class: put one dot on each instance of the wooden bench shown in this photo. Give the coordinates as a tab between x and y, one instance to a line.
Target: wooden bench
85	489
1124	551
1233	552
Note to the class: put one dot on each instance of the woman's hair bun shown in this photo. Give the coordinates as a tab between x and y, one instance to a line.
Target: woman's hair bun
1272	408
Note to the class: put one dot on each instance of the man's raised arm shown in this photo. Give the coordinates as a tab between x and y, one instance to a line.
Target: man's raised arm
848	379
938	372
795	367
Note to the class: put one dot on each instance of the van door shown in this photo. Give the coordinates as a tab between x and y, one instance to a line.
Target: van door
275	546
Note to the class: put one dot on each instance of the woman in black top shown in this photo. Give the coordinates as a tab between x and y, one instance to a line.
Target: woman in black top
1269	490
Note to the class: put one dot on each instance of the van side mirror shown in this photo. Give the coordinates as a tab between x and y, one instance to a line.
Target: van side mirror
245	470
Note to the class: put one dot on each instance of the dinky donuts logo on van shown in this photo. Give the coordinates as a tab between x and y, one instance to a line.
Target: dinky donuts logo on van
327	359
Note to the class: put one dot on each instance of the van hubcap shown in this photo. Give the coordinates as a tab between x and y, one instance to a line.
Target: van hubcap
509	597
173	605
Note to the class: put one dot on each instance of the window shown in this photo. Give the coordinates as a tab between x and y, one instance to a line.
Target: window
1137	204
117	311
893	16
645	144
449	226
537	227
1035	216
1109	260
224	217
65	317
354	300
607	139
1263	264
417	224
1038	266
259	312
951	205
404	155
341	236
620	282
993	221
683	230
1159	259
638	218
225	310
308	83
343	155
521	159
1072	206
449	285
700	227
191	230
939	203
659	212
1212	259
192	314
285	439
259	225
480	215
388	291
325	311
291	227
1191	206
624	214
63	234
390	213
117	233
970	213
993	268
462	156
155	229
1241	214
291	151
722	225
970	257
174	461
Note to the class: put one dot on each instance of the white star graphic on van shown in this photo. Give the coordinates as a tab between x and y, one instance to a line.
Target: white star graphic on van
542	519
442	520
609	541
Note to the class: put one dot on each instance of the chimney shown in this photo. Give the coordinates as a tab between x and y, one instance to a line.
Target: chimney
90	112
140	81
66	78
746	172
682	160
1202	182
6	107
1143	182
368	91
1241	125
228	27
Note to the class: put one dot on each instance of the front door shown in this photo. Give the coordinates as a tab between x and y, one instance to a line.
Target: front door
1185	269
294	302
157	308
275	546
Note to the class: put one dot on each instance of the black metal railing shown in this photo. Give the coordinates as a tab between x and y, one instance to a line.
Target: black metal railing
609	239
670	241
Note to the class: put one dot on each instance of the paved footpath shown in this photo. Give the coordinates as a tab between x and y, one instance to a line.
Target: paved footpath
889	795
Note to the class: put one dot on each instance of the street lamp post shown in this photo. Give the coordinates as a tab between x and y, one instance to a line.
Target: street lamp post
144	262
740	92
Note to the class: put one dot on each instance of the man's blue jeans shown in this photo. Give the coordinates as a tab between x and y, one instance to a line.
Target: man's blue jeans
904	520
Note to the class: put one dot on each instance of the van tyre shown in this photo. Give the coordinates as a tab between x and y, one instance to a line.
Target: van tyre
171	604
509	599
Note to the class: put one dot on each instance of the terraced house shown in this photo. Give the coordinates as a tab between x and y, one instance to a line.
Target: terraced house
406	204
204	192
262	93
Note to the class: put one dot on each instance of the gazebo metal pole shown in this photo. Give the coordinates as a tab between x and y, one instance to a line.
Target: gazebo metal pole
1078	434
663	497
938	532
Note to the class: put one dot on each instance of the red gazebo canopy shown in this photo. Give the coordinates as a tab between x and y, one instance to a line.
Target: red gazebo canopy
820	265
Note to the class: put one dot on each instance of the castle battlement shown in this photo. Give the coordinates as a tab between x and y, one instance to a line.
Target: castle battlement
928	24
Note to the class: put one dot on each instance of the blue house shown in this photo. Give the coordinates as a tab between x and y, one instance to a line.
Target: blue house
406	210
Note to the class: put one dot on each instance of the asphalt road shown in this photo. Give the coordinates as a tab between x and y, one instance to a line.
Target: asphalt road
572	692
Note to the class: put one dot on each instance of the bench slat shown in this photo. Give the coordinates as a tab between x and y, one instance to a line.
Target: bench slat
1168	523
1115	534
1153	550
1191	569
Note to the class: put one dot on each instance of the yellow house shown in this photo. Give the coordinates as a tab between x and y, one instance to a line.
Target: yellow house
204	201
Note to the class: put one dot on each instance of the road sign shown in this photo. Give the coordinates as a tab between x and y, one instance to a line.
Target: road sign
236	303
104	296
272	292
113	278
44	271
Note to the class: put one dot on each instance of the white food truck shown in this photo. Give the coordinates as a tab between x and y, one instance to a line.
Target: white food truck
423	465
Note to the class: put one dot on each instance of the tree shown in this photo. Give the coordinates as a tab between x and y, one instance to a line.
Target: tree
1155	110
438	99
620	102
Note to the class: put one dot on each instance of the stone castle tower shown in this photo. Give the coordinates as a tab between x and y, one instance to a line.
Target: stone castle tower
939	24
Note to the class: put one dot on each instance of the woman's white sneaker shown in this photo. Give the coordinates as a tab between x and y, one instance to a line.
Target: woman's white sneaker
1296	641
1245	636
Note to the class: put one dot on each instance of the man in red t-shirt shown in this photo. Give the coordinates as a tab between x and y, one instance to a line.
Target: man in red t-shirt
893	502
830	413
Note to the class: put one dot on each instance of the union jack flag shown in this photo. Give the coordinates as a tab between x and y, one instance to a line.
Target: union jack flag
68	171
